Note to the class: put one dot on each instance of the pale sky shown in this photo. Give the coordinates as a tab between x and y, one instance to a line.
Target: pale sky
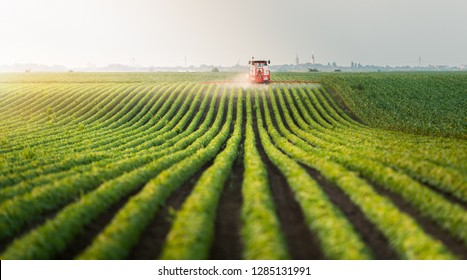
162	32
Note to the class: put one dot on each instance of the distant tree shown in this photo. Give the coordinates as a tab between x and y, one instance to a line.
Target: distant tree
215	69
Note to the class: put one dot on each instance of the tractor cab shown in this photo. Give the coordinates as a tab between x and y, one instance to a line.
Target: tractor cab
259	71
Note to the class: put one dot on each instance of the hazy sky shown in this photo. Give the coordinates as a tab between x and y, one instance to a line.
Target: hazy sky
162	32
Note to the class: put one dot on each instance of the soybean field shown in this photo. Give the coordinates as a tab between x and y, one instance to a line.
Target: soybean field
199	166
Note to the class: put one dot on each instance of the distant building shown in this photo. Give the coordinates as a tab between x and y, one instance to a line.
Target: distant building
297	61
312	58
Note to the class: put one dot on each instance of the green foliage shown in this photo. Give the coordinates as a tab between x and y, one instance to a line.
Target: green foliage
192	232
261	232
73	147
337	237
121	235
422	103
385	215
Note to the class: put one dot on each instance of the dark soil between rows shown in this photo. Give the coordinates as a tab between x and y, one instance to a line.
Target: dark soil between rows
340	102
227	237
448	196
370	235
453	244
34	223
227	244
379	244
302	243
91	230
153	237
149	245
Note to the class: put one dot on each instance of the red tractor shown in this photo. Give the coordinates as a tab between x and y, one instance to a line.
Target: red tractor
259	71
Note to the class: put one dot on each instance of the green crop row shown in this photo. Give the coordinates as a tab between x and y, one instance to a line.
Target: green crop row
137	135
72	149
261	233
28	203
192	232
68	222
426	103
407	238
337	236
117	239
424	171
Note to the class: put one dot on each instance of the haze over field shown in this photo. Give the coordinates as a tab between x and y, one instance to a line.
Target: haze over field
162	33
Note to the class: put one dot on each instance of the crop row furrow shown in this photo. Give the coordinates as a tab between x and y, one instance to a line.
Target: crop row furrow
173	135
66	225
447	215
408	239
379	139
117	239
192	231
422	170
321	215
23	209
53	131
163	115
